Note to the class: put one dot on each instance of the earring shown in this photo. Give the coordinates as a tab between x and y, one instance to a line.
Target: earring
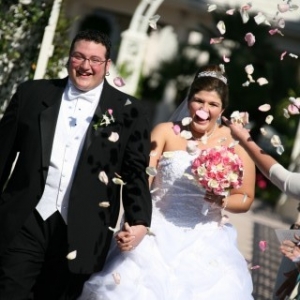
107	74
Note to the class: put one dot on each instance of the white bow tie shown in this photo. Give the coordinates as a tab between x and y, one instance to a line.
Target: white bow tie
73	93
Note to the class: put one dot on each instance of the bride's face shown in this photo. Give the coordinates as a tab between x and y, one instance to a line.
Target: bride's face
205	108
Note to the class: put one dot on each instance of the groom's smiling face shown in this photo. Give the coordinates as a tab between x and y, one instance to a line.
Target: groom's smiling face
88	64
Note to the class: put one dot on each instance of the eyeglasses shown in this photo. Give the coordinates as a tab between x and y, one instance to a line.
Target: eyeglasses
94	61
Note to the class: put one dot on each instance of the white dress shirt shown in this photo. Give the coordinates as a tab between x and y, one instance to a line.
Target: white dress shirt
76	112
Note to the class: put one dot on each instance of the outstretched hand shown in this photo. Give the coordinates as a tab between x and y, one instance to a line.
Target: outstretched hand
130	236
237	129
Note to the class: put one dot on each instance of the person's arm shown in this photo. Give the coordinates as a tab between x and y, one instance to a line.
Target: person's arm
285	180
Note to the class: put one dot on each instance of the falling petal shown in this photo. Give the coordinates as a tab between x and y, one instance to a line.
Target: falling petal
263	131
250	78
282	55
154	190
255	267
168	154
249	69
244	15
250	39
176	129
264	107
118	181
284	7
260	18
222	68
226	59
186	121
212	7
275	140
293	55
230	11
293	109
281	23
262	81
247	83
202	114
114	137
276	30
119	82
72	255
103	177
151	171
104	204
192	147
153	153
221	27
153	21
117	277
269	119
262	245
217	40
233	144
186	134
286	113
119	176
279	149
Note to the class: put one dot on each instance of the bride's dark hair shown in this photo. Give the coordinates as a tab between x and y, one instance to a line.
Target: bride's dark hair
210	78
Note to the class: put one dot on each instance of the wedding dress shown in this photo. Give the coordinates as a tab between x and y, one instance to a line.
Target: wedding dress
191	256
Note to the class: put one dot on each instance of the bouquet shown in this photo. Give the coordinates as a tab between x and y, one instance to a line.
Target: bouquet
218	170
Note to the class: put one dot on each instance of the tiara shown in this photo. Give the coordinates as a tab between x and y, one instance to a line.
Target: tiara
214	74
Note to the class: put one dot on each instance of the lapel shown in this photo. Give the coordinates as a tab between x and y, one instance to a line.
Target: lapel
48	119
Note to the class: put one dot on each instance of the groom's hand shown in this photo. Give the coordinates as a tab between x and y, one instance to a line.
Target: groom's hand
130	236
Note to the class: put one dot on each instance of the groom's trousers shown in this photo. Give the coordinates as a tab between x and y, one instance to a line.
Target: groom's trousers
35	266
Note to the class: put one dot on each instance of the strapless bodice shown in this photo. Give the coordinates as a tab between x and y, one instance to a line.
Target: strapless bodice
177	196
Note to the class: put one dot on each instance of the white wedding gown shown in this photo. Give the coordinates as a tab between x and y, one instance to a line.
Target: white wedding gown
191	256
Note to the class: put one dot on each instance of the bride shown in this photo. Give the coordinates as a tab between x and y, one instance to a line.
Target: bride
190	251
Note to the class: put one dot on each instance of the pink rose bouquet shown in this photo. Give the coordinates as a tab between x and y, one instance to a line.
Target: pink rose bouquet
218	169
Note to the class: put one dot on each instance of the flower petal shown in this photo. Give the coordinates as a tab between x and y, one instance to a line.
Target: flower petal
260	18
286	113
275	140
186	121
226	59
283	7
279	149
153	21
255	267
250	39
263	131
281	23
104	204
202	114
264	107
186	134
269	119
216	40
151	171
262	81
249	69
211	7
230	11
262	245
72	255
103	177
114	137
176	128
221	27
293	55
282	55
119	82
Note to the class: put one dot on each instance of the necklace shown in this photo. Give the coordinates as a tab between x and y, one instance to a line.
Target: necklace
205	137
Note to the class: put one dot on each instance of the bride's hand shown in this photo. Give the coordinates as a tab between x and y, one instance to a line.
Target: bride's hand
130	236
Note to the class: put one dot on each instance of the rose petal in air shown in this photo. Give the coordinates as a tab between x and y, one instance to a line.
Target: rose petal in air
293	55
176	129
221	27
284	7
260	18
279	149
269	119
255	267
216	40
104	204
286	113
103	177
226	59
275	140
202	114
263	131
264	107
151	171
244	15
212	7
262	81
246	83
153	21
72	255
281	23
114	137
119	82
230	11
293	110
186	121
250	39
276	30
186	134
117	277
262	245
249	69
282	55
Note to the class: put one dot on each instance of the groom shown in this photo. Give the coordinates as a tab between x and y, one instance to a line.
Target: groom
80	142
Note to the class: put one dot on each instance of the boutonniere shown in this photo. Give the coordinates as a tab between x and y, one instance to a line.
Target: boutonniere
107	119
